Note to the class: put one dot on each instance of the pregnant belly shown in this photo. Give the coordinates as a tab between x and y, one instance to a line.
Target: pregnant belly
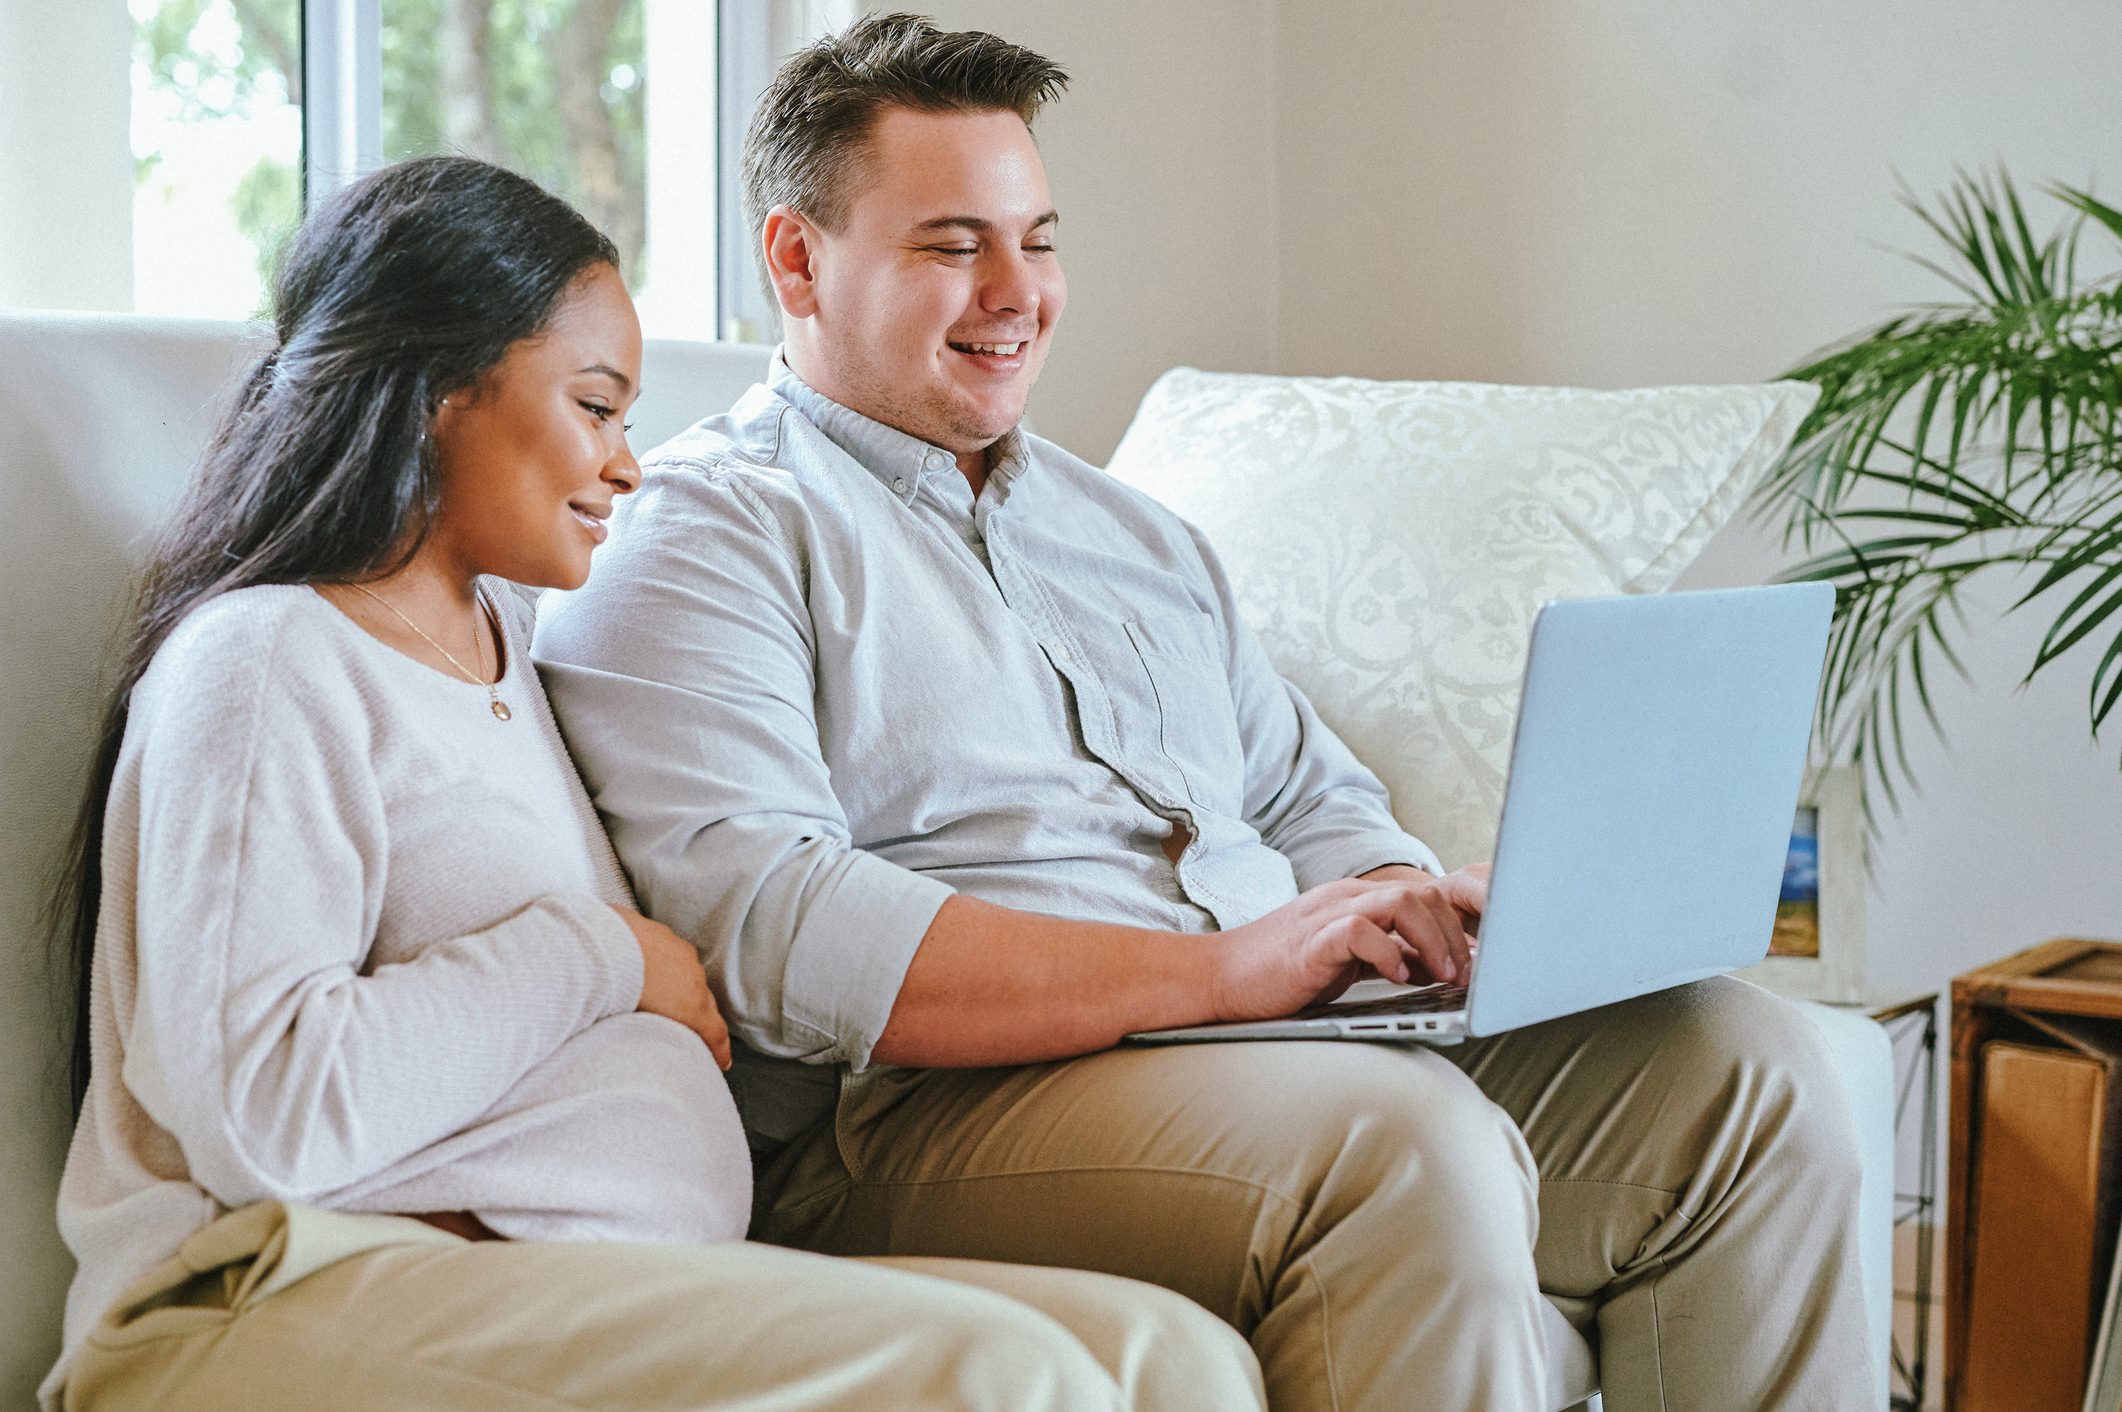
626	1132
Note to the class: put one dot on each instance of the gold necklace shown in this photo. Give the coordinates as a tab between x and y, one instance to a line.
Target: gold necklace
493	688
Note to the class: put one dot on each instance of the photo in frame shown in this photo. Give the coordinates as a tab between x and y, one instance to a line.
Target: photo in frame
1816	950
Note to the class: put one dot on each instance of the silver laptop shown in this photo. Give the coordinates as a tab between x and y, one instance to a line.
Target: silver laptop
1660	746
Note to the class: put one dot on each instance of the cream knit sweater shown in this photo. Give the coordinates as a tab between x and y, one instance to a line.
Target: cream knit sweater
355	951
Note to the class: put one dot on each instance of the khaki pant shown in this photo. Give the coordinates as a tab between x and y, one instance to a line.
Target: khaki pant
287	1307
1678	1172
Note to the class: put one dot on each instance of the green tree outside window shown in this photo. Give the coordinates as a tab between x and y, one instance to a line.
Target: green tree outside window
549	88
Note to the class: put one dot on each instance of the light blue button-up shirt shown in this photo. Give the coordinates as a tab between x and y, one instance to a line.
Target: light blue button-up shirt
816	687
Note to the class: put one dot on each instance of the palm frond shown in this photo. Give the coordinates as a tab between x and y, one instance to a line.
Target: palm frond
2083	200
1977	439
2112	662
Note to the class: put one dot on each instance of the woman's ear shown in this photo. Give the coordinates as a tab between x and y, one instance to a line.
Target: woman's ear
459	401
791	246
447	422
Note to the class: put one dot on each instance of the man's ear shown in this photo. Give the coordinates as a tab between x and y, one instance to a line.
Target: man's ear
791	244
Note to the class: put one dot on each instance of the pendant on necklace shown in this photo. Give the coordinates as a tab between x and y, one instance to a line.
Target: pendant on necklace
500	708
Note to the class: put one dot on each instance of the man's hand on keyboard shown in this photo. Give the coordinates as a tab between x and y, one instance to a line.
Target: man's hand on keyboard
1397	922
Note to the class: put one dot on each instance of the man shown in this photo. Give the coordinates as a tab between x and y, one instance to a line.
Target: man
955	760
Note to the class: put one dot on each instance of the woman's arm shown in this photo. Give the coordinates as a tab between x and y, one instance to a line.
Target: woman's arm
258	841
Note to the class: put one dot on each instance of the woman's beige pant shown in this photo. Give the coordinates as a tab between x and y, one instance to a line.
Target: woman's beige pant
288	1307
1678	1173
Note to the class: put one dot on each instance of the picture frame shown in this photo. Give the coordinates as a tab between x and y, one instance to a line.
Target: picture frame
1817	950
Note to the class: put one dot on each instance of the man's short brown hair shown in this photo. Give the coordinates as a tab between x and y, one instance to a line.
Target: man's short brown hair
805	144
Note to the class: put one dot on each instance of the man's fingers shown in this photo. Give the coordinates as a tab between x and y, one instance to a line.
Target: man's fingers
1422	935
1450	930
1467	889
1430	918
1425	923
1358	938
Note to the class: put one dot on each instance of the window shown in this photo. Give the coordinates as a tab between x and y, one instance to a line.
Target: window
217	150
548	88
242	109
753	37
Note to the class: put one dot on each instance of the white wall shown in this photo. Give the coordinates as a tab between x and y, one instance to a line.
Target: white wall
66	169
1623	192
1630	191
1608	193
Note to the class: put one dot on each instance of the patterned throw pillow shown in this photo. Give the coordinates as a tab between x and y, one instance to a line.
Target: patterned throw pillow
1390	542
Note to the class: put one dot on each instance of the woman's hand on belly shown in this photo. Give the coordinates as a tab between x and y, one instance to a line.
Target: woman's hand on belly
674	985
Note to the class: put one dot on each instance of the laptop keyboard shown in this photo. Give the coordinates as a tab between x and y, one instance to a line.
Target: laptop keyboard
1435	1000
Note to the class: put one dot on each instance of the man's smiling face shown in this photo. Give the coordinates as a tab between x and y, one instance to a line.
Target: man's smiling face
931	310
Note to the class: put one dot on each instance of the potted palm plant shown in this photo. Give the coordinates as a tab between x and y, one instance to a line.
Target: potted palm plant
1968	441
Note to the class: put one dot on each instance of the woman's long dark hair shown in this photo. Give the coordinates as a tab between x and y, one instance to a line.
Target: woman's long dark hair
406	286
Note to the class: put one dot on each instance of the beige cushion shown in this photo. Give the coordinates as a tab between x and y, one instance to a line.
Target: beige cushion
1390	542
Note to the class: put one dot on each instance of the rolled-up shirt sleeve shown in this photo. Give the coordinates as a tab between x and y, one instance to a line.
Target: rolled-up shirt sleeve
683	678
1306	792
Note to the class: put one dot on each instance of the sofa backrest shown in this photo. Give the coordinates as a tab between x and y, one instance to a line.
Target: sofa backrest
101	419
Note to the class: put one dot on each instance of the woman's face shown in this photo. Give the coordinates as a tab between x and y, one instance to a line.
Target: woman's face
533	454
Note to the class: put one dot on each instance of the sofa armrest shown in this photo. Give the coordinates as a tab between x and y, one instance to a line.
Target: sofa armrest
1864	1056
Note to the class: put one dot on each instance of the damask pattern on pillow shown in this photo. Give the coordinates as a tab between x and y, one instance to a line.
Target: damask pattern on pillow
1391	542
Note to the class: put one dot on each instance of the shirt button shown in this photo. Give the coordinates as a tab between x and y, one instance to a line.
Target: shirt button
900	485
1060	650
935	460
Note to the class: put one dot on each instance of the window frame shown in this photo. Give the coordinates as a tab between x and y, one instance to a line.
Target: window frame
342	94
342	138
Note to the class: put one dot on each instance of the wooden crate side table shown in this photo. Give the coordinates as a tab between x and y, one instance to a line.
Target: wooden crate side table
2069	976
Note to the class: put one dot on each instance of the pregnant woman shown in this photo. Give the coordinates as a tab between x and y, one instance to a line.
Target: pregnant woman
389	1097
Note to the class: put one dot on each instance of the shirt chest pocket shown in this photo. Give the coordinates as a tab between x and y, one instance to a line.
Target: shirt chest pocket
1197	726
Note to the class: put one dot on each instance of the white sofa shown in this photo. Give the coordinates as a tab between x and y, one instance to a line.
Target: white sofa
102	418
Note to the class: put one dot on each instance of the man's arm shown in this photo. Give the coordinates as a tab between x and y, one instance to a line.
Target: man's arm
994	986
1306	793
682	677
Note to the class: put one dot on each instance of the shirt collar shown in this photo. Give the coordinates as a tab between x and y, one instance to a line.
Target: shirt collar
897	460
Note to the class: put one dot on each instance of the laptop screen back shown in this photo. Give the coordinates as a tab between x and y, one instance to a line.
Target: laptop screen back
1660	747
